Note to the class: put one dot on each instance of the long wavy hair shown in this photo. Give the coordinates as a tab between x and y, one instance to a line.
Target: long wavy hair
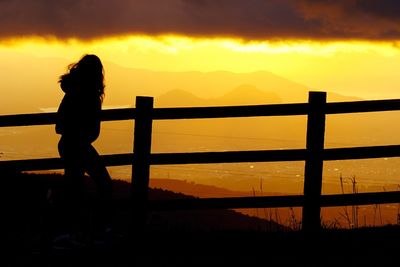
85	77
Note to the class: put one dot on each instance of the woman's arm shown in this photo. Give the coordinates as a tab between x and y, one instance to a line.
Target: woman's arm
93	121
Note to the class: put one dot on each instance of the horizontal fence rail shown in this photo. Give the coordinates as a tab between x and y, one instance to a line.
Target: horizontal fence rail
230	112
50	118
212	112
363	106
330	154
311	201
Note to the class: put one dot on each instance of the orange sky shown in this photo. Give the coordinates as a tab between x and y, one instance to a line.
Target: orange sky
346	46
367	69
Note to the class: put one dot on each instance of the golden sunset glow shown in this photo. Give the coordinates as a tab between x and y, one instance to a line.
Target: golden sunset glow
351	67
197	49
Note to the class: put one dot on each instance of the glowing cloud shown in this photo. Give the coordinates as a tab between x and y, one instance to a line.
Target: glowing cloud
249	20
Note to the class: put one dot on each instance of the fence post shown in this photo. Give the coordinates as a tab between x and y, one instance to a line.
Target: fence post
141	160
314	161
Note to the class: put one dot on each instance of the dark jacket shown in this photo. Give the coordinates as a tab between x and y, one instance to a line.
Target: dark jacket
78	116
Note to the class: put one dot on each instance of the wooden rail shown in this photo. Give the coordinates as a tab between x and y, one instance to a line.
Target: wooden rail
313	155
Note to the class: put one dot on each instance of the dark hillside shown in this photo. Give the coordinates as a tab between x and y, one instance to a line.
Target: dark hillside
181	238
35	191
32	212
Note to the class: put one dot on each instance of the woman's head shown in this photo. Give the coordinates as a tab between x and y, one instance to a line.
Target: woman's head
85	77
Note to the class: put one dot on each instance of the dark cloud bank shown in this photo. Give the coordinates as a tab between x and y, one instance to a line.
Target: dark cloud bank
247	19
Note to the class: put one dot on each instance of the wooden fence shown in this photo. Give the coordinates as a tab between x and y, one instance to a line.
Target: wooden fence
314	154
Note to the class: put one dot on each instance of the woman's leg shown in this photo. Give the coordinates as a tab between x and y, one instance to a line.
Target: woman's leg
72	195
74	169
98	172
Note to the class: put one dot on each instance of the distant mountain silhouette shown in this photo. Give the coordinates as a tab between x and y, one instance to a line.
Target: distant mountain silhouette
208	85
178	97
242	95
250	95
123	84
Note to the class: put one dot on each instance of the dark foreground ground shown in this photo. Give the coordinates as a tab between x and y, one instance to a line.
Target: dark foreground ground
365	247
205	238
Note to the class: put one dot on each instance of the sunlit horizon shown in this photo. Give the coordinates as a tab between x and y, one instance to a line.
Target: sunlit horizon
355	68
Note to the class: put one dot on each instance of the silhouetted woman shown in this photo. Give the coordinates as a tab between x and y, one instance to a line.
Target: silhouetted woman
78	123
